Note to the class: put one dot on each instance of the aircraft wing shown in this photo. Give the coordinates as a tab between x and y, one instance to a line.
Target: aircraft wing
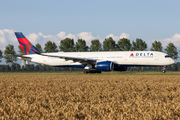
75	59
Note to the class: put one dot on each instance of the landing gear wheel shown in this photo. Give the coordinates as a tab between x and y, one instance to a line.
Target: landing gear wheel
164	71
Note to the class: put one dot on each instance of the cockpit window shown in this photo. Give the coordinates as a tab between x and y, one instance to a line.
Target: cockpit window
167	56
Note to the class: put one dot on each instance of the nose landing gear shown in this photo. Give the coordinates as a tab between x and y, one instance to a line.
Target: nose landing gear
164	69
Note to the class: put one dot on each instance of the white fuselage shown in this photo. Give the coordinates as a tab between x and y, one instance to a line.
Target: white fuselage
129	58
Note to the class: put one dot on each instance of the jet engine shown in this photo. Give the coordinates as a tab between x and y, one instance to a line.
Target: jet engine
104	66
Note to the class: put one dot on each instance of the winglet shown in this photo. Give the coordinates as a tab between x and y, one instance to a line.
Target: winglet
25	45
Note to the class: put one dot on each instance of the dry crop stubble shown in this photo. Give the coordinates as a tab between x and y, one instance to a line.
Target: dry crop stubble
89	96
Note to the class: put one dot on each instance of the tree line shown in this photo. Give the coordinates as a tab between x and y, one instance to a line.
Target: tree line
68	45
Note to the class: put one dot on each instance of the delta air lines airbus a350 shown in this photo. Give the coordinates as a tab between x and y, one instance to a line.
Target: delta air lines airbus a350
93	62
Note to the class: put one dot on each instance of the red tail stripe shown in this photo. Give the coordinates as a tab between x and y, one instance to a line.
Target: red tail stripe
23	40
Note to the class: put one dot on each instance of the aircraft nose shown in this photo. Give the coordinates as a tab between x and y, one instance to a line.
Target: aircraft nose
172	61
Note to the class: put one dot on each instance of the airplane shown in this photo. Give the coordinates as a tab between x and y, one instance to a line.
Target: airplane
93	62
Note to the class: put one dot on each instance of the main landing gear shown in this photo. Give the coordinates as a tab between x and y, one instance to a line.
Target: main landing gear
164	69
90	69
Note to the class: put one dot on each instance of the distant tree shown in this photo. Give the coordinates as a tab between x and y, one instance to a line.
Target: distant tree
109	44
95	45
2	68
9	52
31	67
156	46
7	68
124	45
17	67
1	56
43	68
39	48
27	67
81	46
50	47
9	55
139	45
20	51
67	45
36	67
47	67
171	50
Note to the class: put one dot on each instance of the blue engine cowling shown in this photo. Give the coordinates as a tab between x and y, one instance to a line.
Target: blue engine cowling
104	66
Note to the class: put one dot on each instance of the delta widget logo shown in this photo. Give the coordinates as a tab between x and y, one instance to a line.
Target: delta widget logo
131	55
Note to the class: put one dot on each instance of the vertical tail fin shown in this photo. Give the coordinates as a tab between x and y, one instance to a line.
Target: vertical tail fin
25	45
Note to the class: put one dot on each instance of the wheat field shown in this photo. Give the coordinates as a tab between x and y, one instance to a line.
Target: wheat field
89	96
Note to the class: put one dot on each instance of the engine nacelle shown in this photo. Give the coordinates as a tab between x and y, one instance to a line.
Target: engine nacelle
104	66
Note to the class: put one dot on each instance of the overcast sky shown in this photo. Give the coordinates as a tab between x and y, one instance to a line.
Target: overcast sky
41	21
